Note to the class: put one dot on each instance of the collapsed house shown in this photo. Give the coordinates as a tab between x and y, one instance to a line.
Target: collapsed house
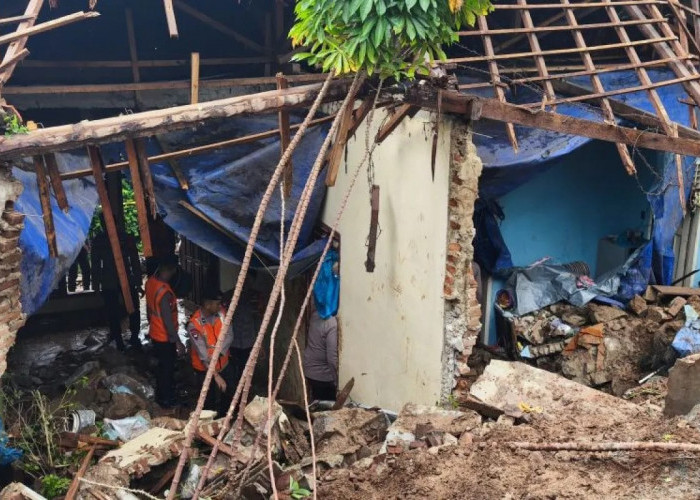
553	160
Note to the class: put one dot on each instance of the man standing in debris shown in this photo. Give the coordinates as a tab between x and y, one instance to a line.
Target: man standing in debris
106	280
161	307
321	357
204	329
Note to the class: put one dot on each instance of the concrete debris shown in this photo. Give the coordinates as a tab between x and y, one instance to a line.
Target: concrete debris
603	314
637	305
154	447
18	491
676	306
352	433
683	386
430	425
124	405
102	473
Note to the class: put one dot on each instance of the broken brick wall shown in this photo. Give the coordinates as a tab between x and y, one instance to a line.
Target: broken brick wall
11	224
462	309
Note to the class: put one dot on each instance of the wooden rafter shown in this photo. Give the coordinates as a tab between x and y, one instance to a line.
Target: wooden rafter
56	183
496	79
170	18
395	120
608	113
48	25
31	13
139	197
535	47
45	199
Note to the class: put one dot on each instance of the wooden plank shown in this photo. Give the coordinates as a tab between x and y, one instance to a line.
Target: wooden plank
47	26
285	139
544	28
184	153
119	128
576	5
556	52
373	230
622	109
453	102
146	177
664	50
170	18
139	197
696	21
157	63
75	483
133	52
16	19
175	166
496	80
608	113
402	112
14	59
359	114
32	11
220	27
535	47
194	78
335	155
56	183
113	235
164	85
45	199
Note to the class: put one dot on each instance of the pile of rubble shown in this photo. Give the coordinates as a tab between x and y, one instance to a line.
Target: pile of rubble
606	346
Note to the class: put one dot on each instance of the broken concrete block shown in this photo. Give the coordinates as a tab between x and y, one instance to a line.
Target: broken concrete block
637	305
18	491
504	384
683	386
603	314
347	430
657	314
154	447
676	306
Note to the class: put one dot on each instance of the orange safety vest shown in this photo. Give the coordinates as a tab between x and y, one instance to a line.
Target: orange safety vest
155	290
210	333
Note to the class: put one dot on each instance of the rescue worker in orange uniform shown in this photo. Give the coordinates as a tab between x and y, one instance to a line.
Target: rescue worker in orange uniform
205	328
161	307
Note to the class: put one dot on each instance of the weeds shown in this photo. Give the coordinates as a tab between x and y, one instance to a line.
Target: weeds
53	486
14	126
296	491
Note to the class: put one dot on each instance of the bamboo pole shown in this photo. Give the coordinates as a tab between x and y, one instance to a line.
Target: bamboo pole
45	198
112	233
139	197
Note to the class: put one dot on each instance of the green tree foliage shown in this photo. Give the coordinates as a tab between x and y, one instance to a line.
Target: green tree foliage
395	38
131	221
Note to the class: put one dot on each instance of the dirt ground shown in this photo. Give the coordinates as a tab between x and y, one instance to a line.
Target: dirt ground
488	468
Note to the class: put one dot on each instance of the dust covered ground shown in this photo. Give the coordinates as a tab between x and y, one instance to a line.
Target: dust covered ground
487	468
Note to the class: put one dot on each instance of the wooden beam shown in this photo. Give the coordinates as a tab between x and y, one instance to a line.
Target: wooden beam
402	112
14	59
535	47
45	199
608	113
32	11
499	6
139	197
496	80
545	28
155	63
153	122
664	50
16	19
133	52
185	153
285	138
696	22
194	78
335	155
47	26
453	102
556	52
75	483
170	17
220	27
622	109
112	233
175	166
166	85
56	183
146	177
359	114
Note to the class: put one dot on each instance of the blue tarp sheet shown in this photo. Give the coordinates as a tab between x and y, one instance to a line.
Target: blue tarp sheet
505	170
226	185
40	273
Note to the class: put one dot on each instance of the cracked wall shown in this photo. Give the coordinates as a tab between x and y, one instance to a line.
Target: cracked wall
462	324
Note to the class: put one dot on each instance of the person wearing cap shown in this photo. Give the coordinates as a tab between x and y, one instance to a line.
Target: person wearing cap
161	308
205	328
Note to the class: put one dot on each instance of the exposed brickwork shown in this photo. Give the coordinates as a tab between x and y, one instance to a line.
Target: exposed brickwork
11	224
462	310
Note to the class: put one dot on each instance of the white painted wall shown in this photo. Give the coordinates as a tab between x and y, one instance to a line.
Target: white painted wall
391	321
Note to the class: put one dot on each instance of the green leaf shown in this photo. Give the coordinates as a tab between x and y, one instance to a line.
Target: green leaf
378	33
381	8
410	4
367	29
410	29
366	9
425	5
355	5
361	53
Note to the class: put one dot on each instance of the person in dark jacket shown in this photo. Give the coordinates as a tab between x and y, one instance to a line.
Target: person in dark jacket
106	280
321	357
82	261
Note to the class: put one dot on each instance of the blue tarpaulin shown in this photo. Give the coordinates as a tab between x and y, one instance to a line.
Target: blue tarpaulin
505	170
226	185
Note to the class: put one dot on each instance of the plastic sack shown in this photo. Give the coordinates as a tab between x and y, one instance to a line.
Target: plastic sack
687	340
327	287
190	483
121	383
7	454
125	429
